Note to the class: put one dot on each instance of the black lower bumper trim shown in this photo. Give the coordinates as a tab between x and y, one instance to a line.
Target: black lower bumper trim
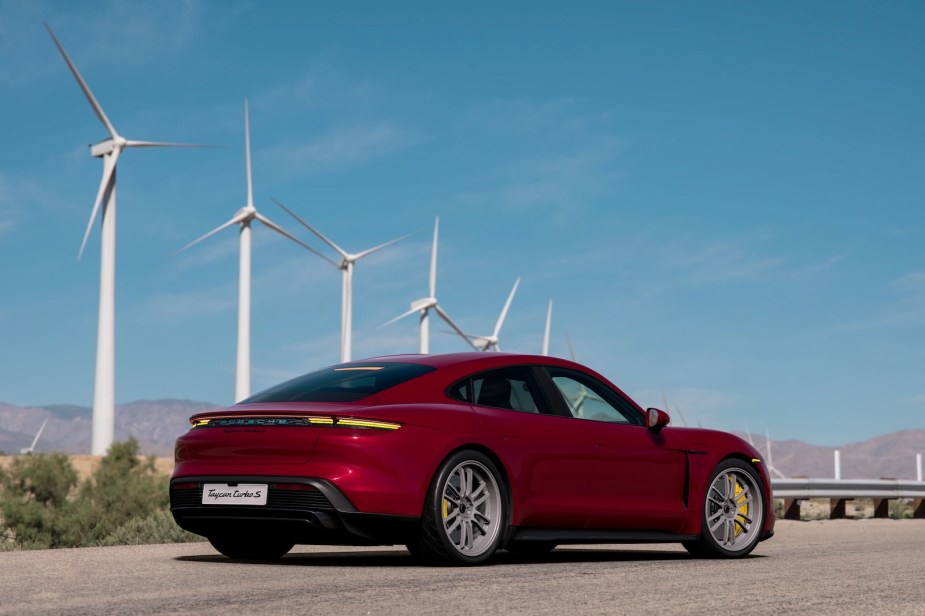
319	514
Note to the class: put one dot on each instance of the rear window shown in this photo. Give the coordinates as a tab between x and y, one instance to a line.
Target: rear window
343	383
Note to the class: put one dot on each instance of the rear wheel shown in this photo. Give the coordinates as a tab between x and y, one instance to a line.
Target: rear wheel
257	548
733	513
465	512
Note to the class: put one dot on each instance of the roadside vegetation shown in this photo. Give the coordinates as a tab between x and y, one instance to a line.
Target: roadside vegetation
125	501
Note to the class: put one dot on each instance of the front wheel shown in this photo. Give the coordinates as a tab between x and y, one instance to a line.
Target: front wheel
465	512
733	513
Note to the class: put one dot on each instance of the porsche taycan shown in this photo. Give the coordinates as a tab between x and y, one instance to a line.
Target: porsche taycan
459	456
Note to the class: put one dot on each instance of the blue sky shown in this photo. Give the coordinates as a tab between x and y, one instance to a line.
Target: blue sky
724	200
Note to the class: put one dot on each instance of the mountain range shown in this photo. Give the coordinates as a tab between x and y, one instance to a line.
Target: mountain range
157	423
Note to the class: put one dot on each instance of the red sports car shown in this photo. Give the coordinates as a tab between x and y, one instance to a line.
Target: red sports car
458	456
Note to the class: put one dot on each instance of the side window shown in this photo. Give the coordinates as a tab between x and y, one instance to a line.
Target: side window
507	388
588	398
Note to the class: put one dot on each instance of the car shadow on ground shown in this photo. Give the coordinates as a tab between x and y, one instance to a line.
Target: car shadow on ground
398	558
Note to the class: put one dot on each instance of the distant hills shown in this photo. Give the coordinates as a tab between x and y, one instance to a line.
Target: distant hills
157	423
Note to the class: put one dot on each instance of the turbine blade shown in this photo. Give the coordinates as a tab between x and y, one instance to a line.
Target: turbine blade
401	316
449	321
236	220
285	233
504	310
571	349
164	144
321	236
370	251
433	260
247	156
83	86
105	187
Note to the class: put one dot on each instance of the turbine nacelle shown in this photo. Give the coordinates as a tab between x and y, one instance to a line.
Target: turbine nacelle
425	303
245	214
106	147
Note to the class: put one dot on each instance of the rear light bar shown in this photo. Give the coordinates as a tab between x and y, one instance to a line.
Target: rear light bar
231	421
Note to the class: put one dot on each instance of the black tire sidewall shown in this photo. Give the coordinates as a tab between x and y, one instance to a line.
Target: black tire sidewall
433	507
710	544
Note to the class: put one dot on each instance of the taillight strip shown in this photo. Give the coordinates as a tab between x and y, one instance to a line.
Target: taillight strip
313	420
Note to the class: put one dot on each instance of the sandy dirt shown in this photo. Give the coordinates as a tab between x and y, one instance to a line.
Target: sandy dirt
86	464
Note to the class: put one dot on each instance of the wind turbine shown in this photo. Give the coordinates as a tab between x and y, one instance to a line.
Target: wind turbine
546	331
425	304
347	261
487	343
578	404
110	149
244	217
770	462
31	448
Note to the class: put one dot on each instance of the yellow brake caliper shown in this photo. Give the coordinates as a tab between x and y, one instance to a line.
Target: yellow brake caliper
743	508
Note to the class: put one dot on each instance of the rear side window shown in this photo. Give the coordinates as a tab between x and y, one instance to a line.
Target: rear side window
343	383
514	389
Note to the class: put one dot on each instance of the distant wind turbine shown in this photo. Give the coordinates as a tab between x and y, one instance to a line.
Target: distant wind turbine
770	462
244	217
578	405
110	149
546	331
31	448
346	266
426	304
677	407
490	342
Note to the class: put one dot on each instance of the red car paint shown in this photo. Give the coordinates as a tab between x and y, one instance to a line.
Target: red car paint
562	472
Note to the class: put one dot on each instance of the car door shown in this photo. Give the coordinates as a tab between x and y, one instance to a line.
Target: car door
547	456
637	477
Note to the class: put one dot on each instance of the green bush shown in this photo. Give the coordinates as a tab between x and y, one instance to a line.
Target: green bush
35	503
125	502
157	527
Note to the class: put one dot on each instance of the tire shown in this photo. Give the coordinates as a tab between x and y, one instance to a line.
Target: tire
465	512
260	548
733	513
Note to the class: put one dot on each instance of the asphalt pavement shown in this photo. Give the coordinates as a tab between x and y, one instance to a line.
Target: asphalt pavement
821	567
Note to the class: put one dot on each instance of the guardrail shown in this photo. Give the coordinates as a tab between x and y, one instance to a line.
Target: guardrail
838	491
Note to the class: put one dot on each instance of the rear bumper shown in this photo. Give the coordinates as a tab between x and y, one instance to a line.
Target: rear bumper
304	509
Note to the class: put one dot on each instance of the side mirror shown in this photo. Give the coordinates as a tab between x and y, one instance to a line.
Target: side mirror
656	419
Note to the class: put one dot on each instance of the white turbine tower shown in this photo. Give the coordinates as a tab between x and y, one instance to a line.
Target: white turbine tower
425	304
244	217
347	261
110	149
490	342
546	331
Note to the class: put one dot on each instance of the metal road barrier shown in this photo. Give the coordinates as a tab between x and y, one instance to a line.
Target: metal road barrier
882	491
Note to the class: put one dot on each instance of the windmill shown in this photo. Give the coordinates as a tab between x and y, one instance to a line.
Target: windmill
244	217
110	149
577	405
347	262
490	342
425	304
31	448
546	331
770	462
677	407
